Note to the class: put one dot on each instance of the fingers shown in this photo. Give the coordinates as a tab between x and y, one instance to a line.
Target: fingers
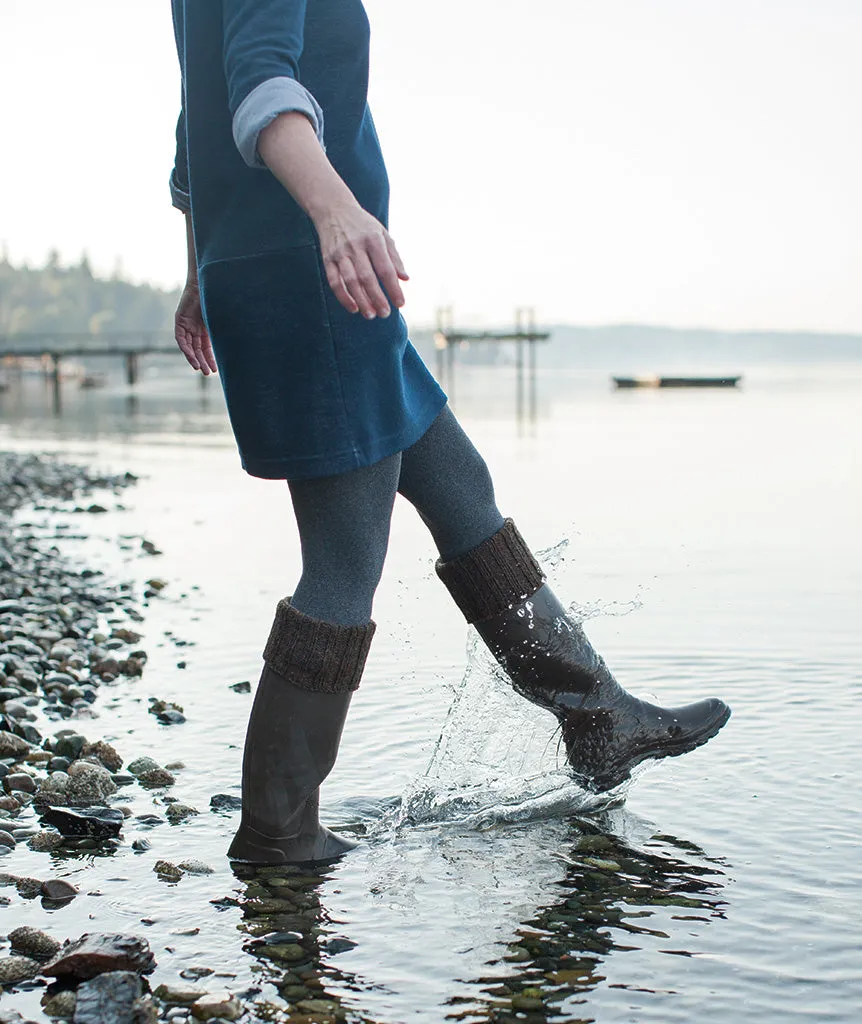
208	354
194	343
184	340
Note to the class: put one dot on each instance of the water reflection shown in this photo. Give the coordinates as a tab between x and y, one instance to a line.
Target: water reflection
615	894
609	900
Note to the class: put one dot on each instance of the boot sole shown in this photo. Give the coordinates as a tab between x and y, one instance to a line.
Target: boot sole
610	778
252	847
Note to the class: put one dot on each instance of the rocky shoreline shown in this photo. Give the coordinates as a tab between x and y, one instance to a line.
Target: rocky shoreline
67	636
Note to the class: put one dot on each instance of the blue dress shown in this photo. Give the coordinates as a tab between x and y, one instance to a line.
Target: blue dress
311	389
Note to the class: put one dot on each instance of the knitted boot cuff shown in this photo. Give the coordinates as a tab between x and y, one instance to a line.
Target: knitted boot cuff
316	655
494	576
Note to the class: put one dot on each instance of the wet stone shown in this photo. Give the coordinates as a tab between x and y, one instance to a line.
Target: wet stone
12	745
156	778
181	995
142	764
25	886
61	1005
58	764
104	753
45	841
95	953
58	890
19	781
89	784
217	1006
196	867
167	871
225	802
243	687
93	822
7	839
176	813
70	746
33	943
15	969
9	803
141	845
110	998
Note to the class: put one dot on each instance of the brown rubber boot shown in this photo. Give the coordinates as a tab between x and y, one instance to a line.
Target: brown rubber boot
606	731
311	670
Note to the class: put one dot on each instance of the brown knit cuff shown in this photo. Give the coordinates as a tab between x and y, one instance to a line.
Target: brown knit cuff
494	576
316	655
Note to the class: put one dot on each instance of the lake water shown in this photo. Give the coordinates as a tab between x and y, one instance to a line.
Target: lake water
712	540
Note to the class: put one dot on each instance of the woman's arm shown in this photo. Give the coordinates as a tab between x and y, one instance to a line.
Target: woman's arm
358	252
189	328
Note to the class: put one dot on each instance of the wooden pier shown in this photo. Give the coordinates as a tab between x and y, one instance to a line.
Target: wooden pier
51	349
448	339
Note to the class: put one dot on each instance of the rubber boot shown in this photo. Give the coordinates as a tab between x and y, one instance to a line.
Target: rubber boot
311	670
606	731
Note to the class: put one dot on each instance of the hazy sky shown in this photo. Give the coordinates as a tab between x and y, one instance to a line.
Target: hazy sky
690	162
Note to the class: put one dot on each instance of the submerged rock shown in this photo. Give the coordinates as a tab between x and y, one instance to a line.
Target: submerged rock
179	812
142	764
196	867
45	841
217	1006
115	997
94	822
58	889
61	1005
96	953
167	871
15	969
178	995
33	943
156	778
225	802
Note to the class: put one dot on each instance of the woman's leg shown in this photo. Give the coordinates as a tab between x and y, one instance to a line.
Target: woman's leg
449	484
501	589
313	662
344	533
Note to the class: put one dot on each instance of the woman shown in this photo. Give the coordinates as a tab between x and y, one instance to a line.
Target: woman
293	295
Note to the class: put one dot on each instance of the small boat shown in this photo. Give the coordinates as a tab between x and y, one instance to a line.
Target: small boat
676	382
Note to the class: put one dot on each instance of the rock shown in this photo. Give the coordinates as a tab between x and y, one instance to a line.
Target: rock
142	764
178	995
140	845
128	636
196	867
167	872
167	712
58	764
291	952
94	822
69	745
179	812
217	1005
157	584
327	1007
27	887
61	1005
9	803
53	790
225	802
115	997
131	667
175	766
195	973
21	782
58	889
156	778
96	953
104	753
15	969
7	839
45	841
88	784
33	943
12	745
243	687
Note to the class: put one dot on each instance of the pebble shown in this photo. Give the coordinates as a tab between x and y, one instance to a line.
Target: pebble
12	745
167	871
69	744
93	822
60	1005
57	889
243	687
142	764
105	753
141	845
89	784
176	813
93	954
178	994
156	778
45	841
19	781
15	969
7	839
33	943
196	867
225	802
114	997
217	1005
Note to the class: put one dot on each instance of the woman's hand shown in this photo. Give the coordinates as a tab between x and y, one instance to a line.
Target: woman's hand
359	256
191	333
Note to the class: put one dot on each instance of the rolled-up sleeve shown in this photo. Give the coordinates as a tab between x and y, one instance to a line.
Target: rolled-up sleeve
179	181
263	42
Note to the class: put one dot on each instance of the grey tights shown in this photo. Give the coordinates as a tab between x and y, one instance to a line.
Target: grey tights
344	520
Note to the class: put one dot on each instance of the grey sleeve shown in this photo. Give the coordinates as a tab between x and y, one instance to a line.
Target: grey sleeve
179	182
263	105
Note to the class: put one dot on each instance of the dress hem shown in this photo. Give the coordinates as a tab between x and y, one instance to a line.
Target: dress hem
333	464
